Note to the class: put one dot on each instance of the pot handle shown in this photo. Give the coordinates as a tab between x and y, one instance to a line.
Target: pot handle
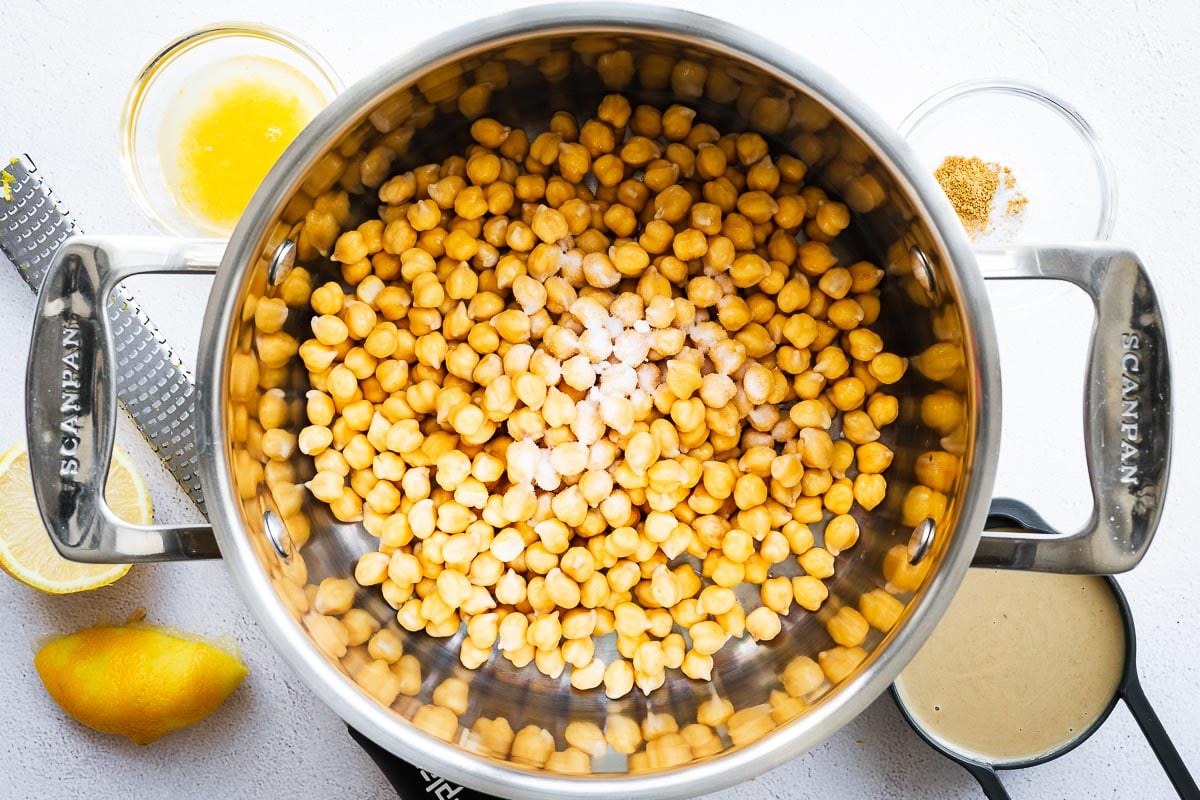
71	396
1127	412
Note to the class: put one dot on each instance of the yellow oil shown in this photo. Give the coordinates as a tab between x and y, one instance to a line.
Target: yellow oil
231	126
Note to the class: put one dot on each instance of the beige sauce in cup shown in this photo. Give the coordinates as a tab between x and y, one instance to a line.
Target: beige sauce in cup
1020	664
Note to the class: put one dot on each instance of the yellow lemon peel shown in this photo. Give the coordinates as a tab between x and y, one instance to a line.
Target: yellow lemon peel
138	680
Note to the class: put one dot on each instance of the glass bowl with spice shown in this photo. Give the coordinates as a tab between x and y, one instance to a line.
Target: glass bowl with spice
209	115
1017	163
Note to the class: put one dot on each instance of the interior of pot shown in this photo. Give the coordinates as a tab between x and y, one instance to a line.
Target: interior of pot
426	117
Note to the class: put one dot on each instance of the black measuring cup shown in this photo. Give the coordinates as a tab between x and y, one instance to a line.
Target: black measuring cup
1012	514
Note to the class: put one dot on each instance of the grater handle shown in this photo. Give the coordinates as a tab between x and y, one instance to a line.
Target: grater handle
71	398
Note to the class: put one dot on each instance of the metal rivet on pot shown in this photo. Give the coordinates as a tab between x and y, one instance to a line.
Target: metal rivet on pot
921	541
277	534
282	262
923	272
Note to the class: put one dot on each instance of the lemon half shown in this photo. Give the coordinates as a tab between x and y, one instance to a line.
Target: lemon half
138	680
26	552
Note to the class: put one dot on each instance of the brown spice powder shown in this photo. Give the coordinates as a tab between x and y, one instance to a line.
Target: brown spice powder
1016	206
971	184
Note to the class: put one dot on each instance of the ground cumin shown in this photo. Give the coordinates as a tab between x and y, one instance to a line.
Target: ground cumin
972	184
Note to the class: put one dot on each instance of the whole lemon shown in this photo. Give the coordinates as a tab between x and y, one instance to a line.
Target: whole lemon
137	680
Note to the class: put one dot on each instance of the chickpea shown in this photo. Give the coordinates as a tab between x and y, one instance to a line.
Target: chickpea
334	596
880	609
841	533
707	637
622	734
532	746
810	592
537	393
763	624
618	679
750	724
776	594
589	676
839	662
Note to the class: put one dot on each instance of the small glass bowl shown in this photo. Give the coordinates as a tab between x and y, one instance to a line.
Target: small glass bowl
165	76
1051	149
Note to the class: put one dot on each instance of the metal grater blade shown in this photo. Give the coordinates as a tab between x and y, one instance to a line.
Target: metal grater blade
152	384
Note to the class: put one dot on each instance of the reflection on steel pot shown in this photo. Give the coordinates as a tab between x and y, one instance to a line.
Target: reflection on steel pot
277	541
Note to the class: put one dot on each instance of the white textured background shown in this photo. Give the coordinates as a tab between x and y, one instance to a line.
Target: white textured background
1130	67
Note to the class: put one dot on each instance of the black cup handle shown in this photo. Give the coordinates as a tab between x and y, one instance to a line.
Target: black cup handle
1005	511
988	779
1152	728
414	783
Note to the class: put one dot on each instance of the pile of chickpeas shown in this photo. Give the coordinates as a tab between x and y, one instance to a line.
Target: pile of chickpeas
599	382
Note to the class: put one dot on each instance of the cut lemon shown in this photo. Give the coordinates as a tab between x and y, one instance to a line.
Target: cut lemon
26	552
138	680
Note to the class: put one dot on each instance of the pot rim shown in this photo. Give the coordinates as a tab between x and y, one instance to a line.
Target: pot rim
381	724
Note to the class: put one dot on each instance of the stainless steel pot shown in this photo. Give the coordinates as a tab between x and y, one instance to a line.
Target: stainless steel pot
277	541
